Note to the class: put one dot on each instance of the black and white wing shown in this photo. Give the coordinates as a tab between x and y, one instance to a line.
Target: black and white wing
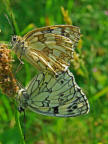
56	96
52	47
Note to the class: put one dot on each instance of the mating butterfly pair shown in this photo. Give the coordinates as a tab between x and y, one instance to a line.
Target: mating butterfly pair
53	92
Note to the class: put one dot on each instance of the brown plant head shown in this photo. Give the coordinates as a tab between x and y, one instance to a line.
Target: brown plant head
8	84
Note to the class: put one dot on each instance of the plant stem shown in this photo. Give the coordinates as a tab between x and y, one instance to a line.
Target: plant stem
19	127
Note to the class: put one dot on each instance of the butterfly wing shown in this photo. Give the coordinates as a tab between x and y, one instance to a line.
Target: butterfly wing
52	46
60	97
69	31
49	51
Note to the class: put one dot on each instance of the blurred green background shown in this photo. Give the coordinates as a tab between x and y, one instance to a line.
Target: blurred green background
90	68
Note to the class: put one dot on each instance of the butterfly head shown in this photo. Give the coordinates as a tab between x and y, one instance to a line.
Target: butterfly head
22	100
14	38
18	45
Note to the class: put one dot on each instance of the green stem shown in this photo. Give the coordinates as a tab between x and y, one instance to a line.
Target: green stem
17	117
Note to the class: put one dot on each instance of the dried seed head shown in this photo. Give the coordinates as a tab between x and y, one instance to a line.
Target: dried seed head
8	84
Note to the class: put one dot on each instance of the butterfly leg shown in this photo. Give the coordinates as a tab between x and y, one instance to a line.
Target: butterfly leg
20	65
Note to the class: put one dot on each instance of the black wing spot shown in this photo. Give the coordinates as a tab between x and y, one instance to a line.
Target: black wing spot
56	110
62	81
70	110
75	107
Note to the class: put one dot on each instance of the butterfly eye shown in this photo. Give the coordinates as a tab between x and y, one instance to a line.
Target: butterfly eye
14	38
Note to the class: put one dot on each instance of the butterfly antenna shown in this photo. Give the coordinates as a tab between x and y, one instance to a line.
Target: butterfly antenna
11	23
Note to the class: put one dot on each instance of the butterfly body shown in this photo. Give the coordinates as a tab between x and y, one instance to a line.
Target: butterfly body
54	96
48	48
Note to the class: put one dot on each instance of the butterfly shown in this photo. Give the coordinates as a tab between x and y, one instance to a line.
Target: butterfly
53	95
48	48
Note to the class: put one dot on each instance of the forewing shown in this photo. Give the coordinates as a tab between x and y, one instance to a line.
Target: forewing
57	96
51	51
69	31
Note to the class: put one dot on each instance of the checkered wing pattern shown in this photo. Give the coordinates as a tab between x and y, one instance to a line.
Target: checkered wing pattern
49	48
55	96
